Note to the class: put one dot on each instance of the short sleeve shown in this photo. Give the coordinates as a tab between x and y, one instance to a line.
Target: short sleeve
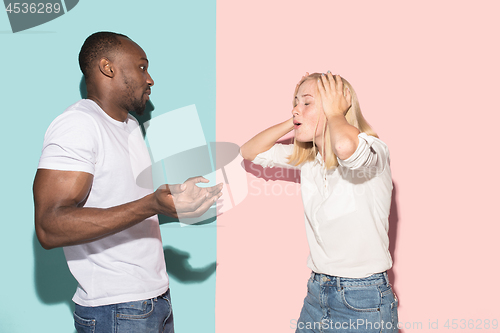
71	143
276	156
371	155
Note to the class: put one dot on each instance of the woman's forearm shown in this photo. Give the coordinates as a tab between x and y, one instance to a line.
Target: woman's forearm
265	139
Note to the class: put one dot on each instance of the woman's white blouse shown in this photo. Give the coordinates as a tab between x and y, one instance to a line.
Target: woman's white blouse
346	209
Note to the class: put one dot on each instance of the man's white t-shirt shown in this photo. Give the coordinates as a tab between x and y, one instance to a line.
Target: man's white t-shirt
346	209
129	265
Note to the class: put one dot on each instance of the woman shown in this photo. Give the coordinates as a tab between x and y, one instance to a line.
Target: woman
346	189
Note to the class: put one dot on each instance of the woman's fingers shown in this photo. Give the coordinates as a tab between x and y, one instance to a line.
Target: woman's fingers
348	96
339	85
325	83
331	81
328	85
321	87
331	89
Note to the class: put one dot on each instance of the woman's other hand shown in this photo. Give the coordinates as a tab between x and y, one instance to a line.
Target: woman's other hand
335	101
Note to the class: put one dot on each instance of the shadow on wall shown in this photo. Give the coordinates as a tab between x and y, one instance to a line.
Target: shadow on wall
179	268
53	281
393	234
273	174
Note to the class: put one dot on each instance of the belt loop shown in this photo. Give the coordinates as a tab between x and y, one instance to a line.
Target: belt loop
338	282
386	279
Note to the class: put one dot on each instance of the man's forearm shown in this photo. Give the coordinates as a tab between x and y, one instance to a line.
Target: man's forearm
64	226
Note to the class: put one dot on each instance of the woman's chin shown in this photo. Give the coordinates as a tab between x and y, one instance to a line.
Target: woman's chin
303	140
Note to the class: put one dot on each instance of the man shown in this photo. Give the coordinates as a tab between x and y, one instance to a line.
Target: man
87	199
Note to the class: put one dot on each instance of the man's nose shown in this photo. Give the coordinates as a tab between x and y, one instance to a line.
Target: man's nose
150	80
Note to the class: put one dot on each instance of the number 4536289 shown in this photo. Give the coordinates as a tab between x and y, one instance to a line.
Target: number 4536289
33	8
471	324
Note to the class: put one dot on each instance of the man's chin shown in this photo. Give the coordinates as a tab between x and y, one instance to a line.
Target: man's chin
140	111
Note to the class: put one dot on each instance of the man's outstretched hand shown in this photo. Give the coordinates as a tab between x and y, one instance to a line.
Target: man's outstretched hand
187	200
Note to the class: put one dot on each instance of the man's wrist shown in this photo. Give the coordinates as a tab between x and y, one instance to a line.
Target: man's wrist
151	204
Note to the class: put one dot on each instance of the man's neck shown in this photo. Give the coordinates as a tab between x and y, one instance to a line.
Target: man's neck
111	109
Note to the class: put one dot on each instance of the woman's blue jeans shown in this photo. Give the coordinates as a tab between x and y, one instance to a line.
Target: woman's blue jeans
336	304
146	316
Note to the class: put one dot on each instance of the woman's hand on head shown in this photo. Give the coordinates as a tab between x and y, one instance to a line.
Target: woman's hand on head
331	90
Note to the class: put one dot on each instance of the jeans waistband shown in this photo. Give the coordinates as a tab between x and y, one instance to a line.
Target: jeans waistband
374	279
165	295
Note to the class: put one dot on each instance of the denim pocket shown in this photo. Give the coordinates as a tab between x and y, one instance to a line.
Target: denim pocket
135	310
169	304
361	299
84	325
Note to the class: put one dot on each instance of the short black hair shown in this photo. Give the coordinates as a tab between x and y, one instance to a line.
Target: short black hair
98	45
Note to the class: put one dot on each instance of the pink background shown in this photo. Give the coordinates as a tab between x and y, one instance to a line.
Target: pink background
426	73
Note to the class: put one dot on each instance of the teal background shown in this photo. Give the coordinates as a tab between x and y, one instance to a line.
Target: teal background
40	77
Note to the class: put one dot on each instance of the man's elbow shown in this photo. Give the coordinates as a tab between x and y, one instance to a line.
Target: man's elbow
43	237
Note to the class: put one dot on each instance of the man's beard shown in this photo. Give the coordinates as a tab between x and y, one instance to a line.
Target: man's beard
132	104
140	109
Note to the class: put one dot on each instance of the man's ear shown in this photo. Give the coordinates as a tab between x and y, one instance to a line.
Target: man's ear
106	67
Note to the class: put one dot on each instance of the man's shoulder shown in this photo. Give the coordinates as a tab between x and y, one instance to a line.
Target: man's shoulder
81	108
78	118
83	113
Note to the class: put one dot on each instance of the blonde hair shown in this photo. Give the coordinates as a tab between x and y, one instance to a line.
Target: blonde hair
307	151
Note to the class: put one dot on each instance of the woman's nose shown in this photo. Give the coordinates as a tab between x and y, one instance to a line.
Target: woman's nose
295	110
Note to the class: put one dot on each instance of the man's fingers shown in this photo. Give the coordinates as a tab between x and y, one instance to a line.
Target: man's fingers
215	189
198	179
203	208
189	207
200	206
